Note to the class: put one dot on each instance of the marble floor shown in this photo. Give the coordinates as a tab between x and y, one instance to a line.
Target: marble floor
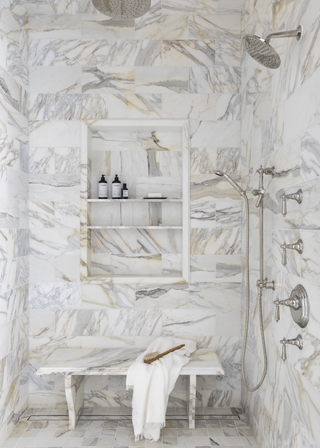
53	432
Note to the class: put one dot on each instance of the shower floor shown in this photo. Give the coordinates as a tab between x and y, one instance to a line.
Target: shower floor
48	428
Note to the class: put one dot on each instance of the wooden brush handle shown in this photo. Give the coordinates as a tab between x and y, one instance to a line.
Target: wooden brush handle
165	353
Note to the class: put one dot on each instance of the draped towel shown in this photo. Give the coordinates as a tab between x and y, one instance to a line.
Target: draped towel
152	384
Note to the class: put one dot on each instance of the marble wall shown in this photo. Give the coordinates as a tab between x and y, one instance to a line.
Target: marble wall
281	127
181	60
14	232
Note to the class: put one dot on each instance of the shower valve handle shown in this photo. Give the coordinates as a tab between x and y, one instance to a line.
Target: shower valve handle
298	246
291	302
298	342
298	196
277	310
260	192
284	255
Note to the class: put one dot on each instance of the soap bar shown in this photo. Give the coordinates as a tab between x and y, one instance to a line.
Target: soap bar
154	195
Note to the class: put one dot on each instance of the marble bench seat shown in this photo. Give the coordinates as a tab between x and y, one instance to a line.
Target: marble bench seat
74	364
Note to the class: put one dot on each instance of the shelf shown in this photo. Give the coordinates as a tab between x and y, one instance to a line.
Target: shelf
134	200
160	279
137	227
116	135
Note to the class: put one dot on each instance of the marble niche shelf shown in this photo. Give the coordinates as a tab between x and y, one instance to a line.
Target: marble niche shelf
134	200
137	227
177	193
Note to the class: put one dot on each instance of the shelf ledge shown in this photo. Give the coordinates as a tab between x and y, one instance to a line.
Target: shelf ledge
133	200
137	227
159	279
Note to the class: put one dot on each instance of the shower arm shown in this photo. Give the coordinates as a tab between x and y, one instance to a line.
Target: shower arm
292	33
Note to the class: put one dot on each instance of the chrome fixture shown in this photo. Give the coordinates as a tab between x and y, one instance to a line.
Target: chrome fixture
122	9
299	306
298	342
298	196
260	191
261	50
231	181
262	283
298	246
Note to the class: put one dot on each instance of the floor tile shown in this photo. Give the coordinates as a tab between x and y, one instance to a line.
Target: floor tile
120	434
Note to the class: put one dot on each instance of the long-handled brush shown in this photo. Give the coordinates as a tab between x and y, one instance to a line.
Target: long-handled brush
150	357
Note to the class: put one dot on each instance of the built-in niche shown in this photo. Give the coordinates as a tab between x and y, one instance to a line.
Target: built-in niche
126	239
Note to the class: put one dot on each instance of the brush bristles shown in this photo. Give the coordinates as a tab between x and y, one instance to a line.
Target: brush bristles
150	356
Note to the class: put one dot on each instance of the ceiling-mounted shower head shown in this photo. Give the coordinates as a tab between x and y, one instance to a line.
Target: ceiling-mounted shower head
261	50
122	9
231	181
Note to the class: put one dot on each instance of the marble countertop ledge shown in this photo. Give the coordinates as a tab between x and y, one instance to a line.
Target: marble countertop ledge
117	361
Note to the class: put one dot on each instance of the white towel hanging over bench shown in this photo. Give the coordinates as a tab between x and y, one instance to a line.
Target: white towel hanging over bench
152	384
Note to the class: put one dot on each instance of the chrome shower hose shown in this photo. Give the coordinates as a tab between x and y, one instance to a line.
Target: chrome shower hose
252	389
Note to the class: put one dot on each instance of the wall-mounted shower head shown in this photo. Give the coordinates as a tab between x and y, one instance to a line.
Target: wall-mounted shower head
231	181
122	9
261	50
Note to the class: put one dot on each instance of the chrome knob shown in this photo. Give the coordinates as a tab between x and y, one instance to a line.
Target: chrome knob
298	246
298	342
298	196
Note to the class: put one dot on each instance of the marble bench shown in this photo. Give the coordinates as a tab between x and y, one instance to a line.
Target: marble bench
76	363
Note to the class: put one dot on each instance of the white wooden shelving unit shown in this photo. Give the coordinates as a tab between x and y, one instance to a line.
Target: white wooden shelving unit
87	226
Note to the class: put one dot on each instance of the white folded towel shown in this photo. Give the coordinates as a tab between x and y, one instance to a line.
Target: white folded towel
152	384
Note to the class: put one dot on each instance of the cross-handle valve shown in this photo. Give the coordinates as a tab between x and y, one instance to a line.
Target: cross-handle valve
298	196
298	246
266	284
298	342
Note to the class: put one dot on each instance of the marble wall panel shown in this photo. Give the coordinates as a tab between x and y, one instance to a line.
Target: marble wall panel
280	123
103	53
14	242
181	60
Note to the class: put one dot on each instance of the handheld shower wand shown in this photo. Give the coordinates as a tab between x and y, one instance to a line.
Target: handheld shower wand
262	283
231	181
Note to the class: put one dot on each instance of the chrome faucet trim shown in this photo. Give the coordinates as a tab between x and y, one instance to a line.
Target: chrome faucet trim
298	196
298	246
298	342
260	192
298	303
294	303
266	284
261	283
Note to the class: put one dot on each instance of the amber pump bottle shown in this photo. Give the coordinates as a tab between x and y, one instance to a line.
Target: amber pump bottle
116	188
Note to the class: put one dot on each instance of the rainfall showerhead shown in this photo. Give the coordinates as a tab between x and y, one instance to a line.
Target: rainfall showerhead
261	50
122	9
231	181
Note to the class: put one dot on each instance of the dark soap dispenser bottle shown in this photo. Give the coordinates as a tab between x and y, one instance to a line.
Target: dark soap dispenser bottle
103	188
116	188
125	192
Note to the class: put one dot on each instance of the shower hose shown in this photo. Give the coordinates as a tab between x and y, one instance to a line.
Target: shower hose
252	389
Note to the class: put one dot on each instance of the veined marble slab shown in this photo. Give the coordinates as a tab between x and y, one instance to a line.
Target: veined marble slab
117	361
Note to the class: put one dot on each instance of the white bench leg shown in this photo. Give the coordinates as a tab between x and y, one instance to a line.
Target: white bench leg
192	401
74	386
